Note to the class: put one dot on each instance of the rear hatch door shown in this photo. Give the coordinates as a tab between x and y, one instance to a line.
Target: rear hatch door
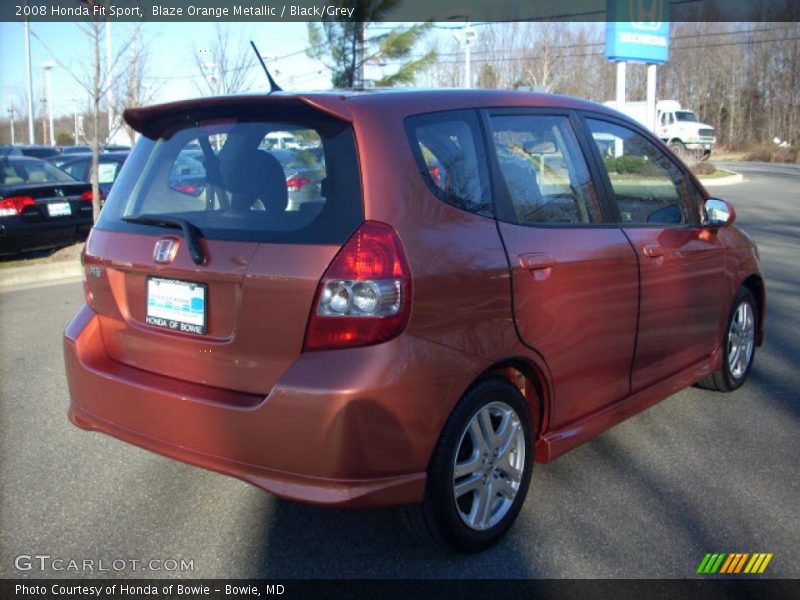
209	277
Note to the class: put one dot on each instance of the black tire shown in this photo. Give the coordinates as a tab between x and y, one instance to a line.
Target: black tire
439	518
678	148
729	377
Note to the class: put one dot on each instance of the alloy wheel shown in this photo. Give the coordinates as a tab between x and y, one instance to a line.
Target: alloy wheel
488	466
741	340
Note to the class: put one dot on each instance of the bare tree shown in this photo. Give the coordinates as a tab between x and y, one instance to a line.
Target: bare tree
742	78
96	79
132	89
544	60
224	64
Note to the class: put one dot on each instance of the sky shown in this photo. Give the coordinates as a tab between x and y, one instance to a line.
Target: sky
171	67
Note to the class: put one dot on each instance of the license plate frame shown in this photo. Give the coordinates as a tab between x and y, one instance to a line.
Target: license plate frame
59	209
176	304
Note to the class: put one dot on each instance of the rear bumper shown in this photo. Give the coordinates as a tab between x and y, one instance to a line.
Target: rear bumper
342	428
19	236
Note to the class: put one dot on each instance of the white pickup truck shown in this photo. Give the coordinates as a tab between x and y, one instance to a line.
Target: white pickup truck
678	127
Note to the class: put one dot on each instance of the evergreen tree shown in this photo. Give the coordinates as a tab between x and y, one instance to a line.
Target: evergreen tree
343	48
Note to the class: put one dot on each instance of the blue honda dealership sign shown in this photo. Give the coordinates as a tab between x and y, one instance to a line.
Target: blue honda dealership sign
638	30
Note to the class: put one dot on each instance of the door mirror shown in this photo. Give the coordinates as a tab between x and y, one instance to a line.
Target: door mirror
717	213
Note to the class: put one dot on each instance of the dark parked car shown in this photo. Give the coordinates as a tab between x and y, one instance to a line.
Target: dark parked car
116	148
478	288
187	174
305	170
37	151
9	150
109	165
40	206
61	159
78	149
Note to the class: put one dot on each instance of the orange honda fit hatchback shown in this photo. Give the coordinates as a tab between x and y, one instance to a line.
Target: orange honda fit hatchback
402	298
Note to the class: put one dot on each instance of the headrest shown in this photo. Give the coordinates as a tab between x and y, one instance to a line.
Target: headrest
257	174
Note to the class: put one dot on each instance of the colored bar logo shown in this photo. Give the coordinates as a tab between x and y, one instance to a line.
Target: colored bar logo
734	563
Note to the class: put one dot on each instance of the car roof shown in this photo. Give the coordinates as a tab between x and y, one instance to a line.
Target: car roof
113	156
347	104
34	147
16	158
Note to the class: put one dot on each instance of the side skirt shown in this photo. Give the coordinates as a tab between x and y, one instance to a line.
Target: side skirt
559	441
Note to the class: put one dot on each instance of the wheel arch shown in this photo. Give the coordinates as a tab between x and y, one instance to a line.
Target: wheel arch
532	383
755	283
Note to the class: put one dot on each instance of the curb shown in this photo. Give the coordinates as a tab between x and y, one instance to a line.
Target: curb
729	180
38	274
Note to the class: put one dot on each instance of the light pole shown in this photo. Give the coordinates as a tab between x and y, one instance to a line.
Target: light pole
29	76
469	36
48	65
11	122
210	69
109	84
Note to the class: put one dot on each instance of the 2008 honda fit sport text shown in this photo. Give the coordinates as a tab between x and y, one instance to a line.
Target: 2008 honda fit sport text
470	281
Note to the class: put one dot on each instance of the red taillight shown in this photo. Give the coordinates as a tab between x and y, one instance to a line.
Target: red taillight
87	196
295	184
188	188
364	297
436	174
14	205
87	291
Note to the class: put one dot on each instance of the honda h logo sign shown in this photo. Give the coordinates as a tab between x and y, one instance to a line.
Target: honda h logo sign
165	250
638	31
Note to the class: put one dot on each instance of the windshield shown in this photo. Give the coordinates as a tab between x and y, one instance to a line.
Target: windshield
685	115
224	176
20	171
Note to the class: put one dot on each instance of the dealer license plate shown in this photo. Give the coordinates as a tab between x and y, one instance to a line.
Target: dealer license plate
175	304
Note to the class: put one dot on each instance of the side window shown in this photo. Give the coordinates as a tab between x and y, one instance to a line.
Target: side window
450	157
649	188
107	171
76	169
544	170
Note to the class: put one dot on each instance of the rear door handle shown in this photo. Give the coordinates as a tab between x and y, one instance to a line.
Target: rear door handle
653	251
535	261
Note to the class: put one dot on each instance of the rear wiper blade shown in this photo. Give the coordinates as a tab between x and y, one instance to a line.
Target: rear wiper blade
191	233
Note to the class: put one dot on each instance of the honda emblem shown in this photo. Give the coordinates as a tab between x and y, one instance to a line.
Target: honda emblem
165	250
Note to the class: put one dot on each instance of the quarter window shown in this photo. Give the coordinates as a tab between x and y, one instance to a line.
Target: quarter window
649	188
544	170
451	159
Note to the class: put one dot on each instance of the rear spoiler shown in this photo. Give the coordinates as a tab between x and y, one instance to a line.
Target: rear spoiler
151	121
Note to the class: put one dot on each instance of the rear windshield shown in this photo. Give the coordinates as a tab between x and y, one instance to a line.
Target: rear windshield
292	177
22	171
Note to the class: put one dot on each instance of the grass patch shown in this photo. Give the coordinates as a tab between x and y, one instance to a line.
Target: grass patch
769	152
708	170
717	174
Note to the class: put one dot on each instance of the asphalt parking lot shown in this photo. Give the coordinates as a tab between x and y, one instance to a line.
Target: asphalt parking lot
700	472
